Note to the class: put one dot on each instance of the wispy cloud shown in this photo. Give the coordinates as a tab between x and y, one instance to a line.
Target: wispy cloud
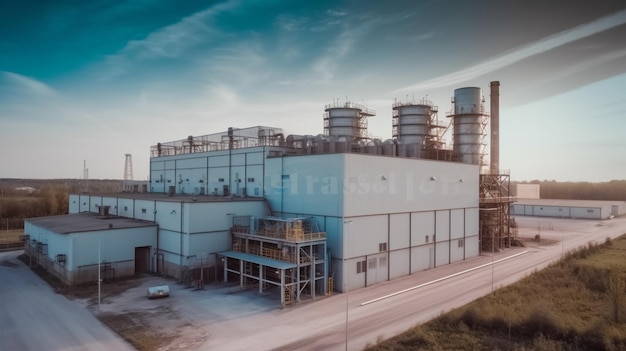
171	41
511	57
326	65
17	83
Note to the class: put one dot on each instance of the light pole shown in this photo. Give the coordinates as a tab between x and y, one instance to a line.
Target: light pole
345	253
99	270
493	251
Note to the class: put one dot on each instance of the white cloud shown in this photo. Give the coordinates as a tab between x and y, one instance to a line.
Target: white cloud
326	65
20	84
171	41
509	58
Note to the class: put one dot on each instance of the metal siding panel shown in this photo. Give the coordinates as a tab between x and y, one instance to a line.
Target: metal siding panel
144	210
168	215
375	185
218	161
456	252
442	230
422	257
399	264
255	158
442	253
457	228
190	163
471	246
422	225
74	204
399	231
366	233
471	221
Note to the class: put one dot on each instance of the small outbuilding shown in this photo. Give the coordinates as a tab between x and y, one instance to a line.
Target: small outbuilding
581	209
77	247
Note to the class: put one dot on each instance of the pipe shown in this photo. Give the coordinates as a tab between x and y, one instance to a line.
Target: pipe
494	164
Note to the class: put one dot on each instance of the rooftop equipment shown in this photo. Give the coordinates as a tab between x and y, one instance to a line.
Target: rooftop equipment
346	119
469	121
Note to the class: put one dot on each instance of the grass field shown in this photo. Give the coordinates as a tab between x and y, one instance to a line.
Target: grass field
578	303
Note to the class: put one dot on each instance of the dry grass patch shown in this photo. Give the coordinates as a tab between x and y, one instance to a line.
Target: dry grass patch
135	328
571	305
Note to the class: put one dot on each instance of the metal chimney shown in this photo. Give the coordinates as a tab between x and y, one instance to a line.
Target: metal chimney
495	127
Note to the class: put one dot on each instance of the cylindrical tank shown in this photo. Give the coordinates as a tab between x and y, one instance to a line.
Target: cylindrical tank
343	122
412	122
468	123
347	119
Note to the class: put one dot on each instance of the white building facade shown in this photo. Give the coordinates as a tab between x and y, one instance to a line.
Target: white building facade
385	217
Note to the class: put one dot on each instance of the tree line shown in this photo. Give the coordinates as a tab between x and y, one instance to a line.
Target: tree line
38	198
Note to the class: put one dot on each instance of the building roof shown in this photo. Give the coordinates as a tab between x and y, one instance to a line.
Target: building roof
175	197
86	222
568	203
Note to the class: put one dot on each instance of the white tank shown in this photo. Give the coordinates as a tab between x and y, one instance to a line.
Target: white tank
346	119
411	122
469	125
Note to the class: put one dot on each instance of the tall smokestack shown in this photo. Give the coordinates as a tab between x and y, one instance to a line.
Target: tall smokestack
495	127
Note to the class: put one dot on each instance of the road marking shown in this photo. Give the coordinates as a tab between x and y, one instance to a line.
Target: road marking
440	279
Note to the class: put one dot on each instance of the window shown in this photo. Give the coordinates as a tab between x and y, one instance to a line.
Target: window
221	180
361	267
382	247
426	239
460	243
125	208
250	180
143	210
284	176
589	211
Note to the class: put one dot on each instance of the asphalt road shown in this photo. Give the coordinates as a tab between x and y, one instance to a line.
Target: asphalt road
33	317
322	325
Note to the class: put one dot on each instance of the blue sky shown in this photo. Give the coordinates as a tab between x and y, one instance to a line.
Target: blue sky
93	80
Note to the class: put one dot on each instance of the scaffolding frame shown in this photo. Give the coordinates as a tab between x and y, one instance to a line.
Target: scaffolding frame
495	199
288	253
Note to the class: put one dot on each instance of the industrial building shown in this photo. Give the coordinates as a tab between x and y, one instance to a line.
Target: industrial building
310	214
581	209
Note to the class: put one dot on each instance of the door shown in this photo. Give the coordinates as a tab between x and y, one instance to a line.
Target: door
142	259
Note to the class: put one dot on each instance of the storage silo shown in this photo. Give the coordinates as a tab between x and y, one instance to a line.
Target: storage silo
412	121
469	122
346	119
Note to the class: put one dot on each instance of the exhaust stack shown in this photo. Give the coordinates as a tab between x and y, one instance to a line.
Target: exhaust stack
494	164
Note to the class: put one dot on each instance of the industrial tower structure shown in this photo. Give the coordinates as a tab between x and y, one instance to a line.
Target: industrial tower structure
495	188
128	167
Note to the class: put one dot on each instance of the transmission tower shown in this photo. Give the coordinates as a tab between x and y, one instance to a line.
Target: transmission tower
128	167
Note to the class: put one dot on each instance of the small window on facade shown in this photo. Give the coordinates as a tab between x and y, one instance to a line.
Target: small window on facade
125	208
361	267
382	247
427	239
589	211
284	176
143	210
461	243
250	180
220	180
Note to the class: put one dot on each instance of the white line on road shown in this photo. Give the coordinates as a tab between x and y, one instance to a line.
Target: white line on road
440	279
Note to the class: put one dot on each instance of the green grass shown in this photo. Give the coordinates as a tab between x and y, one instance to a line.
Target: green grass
567	306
